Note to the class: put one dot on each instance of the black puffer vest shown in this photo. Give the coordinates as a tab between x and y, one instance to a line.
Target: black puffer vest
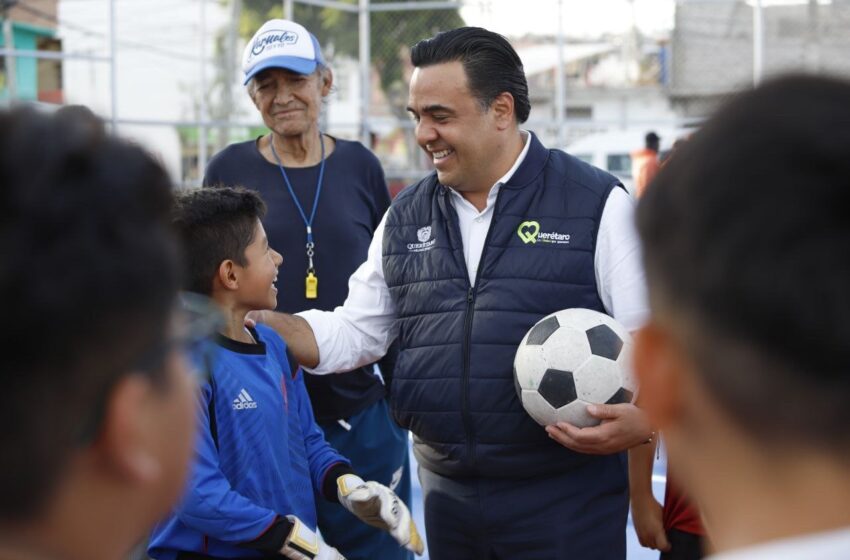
453	384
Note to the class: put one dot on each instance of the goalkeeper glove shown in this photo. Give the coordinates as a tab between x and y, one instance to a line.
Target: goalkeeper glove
378	506
304	544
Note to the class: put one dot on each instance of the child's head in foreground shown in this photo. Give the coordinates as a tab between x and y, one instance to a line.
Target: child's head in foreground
98	395
226	251
746	236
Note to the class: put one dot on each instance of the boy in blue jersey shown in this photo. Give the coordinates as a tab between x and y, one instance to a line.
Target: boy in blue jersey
261	459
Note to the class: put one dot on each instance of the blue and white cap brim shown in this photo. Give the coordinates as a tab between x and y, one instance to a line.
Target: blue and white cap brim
293	63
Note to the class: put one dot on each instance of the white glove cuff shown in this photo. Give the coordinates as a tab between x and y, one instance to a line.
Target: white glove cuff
346	484
302	543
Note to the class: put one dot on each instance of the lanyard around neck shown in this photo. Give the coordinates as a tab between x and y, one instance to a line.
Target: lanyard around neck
307	223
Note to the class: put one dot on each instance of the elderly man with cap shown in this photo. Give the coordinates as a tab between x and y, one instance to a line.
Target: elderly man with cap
325	198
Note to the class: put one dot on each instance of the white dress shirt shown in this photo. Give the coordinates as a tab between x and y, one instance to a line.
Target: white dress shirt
832	545
360	330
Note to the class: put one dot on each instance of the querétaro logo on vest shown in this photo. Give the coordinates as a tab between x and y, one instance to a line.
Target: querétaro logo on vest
529	232
423	234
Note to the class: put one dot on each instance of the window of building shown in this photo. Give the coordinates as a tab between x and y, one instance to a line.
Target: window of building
50	72
580	112
620	164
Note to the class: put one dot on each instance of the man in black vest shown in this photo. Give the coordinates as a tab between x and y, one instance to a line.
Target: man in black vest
451	273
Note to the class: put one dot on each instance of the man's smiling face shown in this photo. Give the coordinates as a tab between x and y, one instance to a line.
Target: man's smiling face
458	134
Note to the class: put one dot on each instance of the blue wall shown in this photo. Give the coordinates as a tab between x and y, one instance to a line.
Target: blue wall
25	37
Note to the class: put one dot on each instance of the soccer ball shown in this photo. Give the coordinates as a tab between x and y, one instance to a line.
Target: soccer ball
570	359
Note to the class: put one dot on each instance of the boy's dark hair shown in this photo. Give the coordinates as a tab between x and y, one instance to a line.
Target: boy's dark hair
746	232
491	64
215	224
89	280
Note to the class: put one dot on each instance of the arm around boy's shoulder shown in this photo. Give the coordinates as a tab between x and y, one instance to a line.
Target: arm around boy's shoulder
296	333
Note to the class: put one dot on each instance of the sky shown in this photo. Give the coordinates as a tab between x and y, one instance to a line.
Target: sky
580	18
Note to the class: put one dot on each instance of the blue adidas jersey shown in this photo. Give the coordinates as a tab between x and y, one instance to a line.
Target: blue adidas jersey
262	457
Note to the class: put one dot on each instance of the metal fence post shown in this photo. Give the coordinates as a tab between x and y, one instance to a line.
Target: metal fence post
758	42
9	44
365	71
560	82
202	129
113	69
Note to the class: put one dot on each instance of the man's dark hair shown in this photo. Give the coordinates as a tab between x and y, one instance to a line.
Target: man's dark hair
746	234
491	64
652	141
215	224
89	280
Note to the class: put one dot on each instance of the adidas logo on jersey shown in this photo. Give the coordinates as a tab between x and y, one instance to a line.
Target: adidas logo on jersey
244	401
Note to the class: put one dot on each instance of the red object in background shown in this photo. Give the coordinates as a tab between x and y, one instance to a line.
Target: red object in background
396	186
51	96
679	513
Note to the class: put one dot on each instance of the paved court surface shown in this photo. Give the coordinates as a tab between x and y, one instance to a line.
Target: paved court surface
635	550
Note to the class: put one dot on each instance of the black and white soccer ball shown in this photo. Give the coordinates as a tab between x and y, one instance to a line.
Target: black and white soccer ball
570	359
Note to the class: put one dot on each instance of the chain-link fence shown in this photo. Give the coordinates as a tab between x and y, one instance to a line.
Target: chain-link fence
168	72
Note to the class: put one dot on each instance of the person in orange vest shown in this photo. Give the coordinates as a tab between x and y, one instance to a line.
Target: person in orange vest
645	162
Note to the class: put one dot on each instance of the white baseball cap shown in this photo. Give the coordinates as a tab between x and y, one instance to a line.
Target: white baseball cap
281	43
